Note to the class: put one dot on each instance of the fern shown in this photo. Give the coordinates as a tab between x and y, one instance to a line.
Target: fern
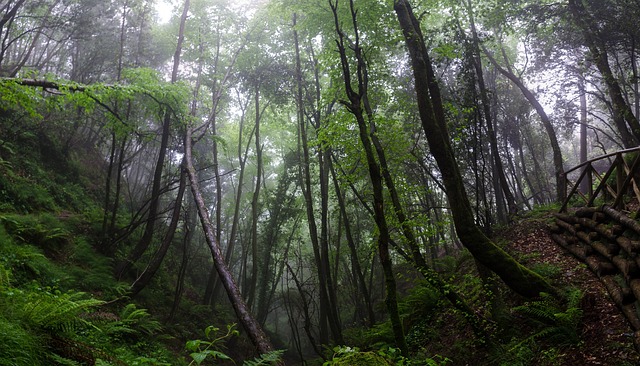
133	321
57	311
555	323
266	359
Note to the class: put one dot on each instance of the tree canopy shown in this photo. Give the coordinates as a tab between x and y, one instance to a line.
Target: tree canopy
322	172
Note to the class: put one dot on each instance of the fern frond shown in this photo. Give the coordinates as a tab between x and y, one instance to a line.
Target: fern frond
57	312
266	359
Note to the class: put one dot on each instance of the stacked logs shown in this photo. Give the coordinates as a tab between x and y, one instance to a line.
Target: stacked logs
608	242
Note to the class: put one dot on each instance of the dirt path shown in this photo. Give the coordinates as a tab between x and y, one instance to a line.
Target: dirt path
606	334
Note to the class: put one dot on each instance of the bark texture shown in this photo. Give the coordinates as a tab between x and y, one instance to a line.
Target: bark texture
522	280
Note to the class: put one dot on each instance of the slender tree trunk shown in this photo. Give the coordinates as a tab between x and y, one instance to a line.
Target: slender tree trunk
125	265
354	105
189	227
516	276
235	222
546	122
584	188
251	326
623	116
305	185
355	263
255	209
143	280
484	95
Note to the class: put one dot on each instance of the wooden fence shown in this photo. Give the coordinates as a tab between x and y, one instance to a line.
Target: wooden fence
619	181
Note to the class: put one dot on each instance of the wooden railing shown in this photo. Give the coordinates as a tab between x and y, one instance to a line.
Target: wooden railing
618	182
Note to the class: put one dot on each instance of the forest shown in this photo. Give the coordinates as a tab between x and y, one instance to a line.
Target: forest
313	182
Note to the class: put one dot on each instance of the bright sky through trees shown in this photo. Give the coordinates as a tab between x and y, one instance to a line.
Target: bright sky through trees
164	8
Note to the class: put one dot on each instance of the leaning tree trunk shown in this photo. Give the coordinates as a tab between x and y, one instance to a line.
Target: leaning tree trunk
522	280
546	122
251	326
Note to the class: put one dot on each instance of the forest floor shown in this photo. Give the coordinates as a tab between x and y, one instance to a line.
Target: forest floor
607	337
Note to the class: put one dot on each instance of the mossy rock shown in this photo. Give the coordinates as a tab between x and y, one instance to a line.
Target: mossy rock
361	359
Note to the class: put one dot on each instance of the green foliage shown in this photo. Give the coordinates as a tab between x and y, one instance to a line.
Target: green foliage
49	309
547	270
209	349
18	346
266	359
44	230
557	323
92	271
353	356
132	322
24	263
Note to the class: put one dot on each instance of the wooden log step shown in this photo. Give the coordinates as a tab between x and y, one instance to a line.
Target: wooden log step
554	228
584	237
628	267
636	340
599	217
606	249
634	285
600	266
580	251
616	230
586	211
631	314
632	247
622	218
621	296
566	226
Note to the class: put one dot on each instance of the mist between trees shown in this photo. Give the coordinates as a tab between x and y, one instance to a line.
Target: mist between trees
307	168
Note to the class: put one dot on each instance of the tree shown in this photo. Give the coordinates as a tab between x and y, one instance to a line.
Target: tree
356	100
486	105
252	327
546	122
623	116
522	280
152	216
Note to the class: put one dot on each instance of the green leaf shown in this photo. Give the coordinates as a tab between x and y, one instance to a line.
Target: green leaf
193	345
198	357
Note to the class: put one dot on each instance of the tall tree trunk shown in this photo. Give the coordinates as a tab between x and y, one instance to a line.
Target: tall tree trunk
255	209
623	116
546	122
189	227
484	95
125	265
305	184
354	105
517	277
251	326
355	262
584	188
235	222
217	89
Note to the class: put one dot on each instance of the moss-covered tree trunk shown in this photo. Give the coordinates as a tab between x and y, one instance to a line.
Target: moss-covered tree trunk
355	107
516	276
